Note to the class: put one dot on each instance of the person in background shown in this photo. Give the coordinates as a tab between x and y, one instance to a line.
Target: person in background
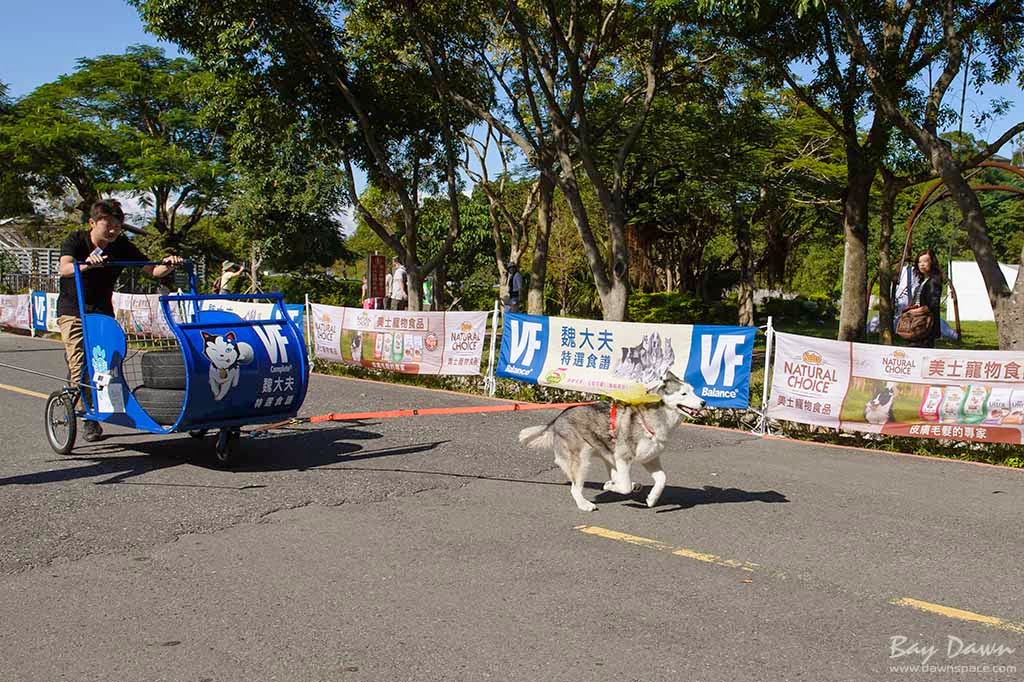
89	251
399	286
387	291
515	288
927	291
228	272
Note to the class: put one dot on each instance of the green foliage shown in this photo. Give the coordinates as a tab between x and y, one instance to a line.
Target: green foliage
811	310
677	308
320	288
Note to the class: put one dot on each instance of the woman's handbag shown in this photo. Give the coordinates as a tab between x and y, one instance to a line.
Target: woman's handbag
915	323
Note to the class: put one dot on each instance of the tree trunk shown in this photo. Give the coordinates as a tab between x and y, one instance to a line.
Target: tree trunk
539	267
745	250
414	286
1010	314
1006	304
885	272
853	314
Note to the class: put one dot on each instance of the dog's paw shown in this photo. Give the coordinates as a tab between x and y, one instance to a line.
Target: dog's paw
586	506
651	501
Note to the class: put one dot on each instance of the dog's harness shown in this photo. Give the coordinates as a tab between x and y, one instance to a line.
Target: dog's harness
613	418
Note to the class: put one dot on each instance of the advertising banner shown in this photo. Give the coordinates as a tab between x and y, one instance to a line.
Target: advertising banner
141	315
16	311
249	310
51	313
39	311
612	358
895	391
400	341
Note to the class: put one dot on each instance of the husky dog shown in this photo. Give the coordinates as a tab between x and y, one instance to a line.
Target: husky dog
878	410
225	355
639	434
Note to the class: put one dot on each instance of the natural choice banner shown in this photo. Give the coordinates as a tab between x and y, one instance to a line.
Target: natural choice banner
933	393
400	341
612	358
16	311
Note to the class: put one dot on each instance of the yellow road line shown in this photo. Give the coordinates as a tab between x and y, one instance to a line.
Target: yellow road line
959	614
662	547
24	391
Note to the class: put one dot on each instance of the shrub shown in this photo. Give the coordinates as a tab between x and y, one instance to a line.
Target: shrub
803	310
677	308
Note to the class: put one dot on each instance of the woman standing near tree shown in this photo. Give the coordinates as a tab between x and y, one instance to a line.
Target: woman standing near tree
927	291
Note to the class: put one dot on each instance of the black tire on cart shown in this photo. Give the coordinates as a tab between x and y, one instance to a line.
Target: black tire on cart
60	422
226	450
163	369
162	404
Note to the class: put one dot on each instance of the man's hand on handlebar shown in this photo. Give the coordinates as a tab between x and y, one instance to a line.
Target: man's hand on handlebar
96	260
173	261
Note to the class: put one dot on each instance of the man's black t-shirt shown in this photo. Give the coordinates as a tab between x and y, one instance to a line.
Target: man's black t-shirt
98	283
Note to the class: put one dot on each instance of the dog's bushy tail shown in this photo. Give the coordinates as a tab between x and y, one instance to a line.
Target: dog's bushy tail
535	436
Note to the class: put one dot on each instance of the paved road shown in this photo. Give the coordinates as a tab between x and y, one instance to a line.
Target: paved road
434	548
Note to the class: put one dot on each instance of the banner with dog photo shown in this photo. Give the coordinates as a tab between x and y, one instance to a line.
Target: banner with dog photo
624	359
895	391
401	341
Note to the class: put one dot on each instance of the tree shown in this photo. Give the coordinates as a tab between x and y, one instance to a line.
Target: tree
14	190
838	93
134	123
894	45
55	150
355	71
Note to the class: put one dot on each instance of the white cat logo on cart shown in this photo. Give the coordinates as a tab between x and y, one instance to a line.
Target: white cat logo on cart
225	354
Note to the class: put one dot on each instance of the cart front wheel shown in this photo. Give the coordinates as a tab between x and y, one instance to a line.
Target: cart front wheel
225	450
59	421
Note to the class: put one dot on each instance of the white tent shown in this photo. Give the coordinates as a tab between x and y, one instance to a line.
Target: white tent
970	290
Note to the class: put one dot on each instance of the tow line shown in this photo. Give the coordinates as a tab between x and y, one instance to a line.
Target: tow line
422	412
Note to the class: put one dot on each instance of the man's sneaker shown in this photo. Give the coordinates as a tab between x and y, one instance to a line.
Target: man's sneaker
91	431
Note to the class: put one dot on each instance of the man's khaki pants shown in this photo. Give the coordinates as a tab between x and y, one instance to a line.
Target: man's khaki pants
74	352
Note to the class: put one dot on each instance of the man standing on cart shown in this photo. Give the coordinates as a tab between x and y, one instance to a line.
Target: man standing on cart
104	241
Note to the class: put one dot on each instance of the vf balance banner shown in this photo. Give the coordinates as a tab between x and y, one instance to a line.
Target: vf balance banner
400	341
934	393
612	358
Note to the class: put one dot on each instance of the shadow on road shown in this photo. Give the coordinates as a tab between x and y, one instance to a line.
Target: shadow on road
675	498
294	450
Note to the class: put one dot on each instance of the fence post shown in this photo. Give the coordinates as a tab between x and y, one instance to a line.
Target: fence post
490	383
762	425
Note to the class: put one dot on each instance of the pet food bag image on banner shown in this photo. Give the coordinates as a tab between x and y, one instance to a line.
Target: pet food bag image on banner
622	358
894	391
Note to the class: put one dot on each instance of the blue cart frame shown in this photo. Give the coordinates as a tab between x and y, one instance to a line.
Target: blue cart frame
238	372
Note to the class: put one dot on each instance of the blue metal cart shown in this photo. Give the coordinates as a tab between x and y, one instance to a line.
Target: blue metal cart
226	372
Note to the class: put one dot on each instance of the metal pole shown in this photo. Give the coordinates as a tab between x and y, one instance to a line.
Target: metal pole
763	427
490	383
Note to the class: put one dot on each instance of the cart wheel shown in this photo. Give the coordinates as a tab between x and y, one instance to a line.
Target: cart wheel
60	423
225	450
198	433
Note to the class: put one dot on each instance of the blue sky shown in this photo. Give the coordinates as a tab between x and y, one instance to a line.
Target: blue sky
42	39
